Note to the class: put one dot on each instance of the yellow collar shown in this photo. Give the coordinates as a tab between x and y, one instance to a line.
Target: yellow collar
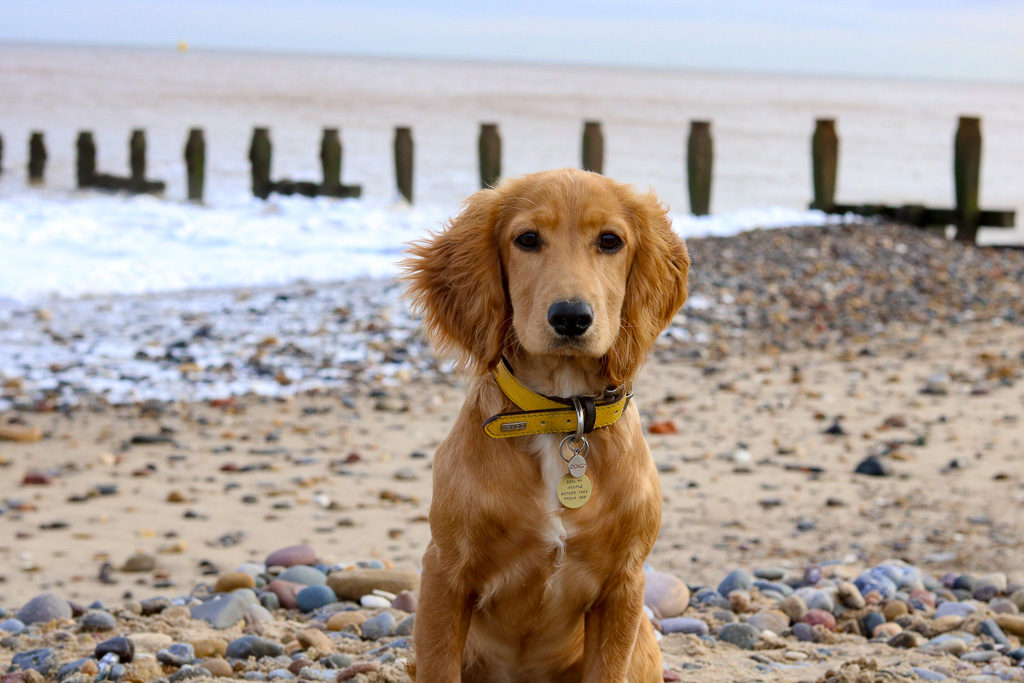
539	414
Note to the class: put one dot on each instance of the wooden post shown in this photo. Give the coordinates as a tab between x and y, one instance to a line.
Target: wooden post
137	159
593	147
36	157
699	162
330	160
490	155
259	158
403	161
85	161
824	163
195	164
967	177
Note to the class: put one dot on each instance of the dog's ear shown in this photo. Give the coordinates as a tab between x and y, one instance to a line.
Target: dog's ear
456	284
655	290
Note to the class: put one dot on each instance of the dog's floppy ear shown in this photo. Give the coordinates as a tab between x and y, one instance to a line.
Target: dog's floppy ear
456	284
656	288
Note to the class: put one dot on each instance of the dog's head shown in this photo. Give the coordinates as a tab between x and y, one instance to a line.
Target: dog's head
562	262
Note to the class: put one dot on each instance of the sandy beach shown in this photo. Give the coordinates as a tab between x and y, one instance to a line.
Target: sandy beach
761	406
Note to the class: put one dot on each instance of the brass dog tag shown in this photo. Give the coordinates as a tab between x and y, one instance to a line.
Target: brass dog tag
573	492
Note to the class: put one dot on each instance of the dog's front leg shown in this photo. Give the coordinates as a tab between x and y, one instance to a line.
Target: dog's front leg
610	628
442	621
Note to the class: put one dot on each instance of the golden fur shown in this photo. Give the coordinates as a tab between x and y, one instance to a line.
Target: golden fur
515	587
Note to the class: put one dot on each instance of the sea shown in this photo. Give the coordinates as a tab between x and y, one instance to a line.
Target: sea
896	145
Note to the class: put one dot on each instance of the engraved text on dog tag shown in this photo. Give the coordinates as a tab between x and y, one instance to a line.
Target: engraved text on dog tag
577	465
573	492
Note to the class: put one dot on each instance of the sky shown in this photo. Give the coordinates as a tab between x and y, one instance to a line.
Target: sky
978	40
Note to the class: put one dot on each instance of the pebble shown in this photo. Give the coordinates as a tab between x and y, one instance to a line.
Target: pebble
252	646
307	576
188	672
218	667
817	617
210	647
1003	606
339	620
886	630
1012	623
353	584
960	609
123	648
743	636
178	654
336	661
222	611
872	467
739	601
379	626
665	594
12	626
804	632
406	601
906	640
697	627
736	580
313	597
287	592
928	674
979	656
43	660
98	620
405	626
44	608
817	600
849	595
291	556
793	607
770	573
139	563
232	581
769	620
312	637
894	609
374	601
356	669
991	629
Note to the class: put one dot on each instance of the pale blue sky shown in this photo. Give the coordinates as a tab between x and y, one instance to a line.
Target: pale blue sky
969	39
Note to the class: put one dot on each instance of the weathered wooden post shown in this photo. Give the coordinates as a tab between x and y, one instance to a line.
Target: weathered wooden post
259	158
824	163
593	147
85	160
967	177
36	157
699	163
137	159
330	161
195	164
403	161
490	155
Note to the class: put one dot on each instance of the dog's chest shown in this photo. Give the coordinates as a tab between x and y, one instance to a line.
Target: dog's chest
552	468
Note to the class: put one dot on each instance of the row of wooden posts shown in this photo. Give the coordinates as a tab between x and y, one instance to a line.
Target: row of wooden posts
966	214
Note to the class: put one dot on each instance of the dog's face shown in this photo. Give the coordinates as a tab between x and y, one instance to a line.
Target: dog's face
563	262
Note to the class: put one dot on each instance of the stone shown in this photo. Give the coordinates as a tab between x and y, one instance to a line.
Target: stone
252	646
312	637
353	584
287	592
817	599
120	646
875	581
339	620
406	601
310	674
872	466
279	675
188	672
960	609
178	655
991	629
291	556
153	606
233	581
210	647
739	601
356	669
223	611
44	608
12	626
405	626
735	580
894	609
886	630
374	601
1003	606
139	563
98	620
336	661
928	674
298	665
42	660
697	627
218	667
804	632
818	617
307	576
313	597
72	667
270	601
144	668
769	620
1017	598
947	644
906	640
665	594
793	607
257	614
946	623
849	595
743	636
980	656
379	626
150	643
1012	623
770	573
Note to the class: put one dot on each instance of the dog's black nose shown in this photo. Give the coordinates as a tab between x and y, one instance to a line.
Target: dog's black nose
570	318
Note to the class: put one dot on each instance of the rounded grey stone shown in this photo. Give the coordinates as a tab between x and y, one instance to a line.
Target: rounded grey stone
43	608
307	576
253	646
379	626
98	620
743	636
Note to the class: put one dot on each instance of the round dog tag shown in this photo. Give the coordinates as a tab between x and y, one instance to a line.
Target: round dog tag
577	466
573	492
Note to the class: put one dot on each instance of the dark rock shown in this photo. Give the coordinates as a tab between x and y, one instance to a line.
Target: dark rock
187	672
872	467
991	629
253	646
313	597
743	636
43	660
736	580
121	646
179	654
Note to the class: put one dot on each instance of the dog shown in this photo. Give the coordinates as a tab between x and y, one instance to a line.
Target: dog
548	291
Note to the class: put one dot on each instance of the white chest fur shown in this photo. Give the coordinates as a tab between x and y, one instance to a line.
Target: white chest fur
552	467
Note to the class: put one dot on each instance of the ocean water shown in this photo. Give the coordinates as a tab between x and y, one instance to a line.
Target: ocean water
895	146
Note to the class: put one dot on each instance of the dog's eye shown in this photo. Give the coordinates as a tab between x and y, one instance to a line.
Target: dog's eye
528	241
610	242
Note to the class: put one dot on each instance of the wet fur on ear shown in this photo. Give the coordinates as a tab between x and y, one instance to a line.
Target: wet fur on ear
656	288
456	283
